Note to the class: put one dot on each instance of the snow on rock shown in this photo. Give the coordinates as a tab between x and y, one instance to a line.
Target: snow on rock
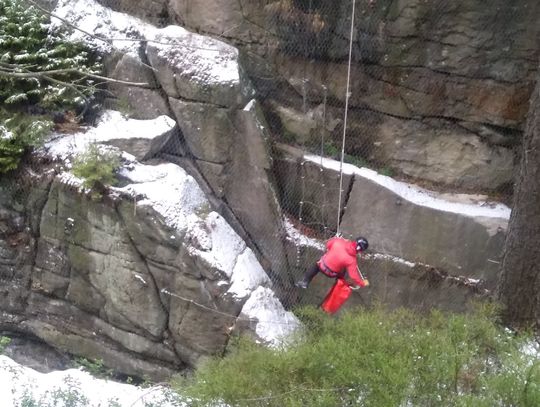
25	386
395	259
222	248
196	67
201	58
299	239
111	125
272	326
176	196
168	189
247	275
417	195
218	244
109	29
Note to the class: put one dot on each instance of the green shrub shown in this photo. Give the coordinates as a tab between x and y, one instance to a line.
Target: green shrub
18	132
389	172
4	342
97	168
377	358
95	367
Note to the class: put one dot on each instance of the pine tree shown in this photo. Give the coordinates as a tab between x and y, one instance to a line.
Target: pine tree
28	47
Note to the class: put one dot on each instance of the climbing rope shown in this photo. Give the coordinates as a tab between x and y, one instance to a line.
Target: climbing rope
321	166
347	95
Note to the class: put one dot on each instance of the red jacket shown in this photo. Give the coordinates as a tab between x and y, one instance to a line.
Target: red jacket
341	254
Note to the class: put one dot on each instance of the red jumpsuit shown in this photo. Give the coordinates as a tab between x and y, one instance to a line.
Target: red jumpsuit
340	256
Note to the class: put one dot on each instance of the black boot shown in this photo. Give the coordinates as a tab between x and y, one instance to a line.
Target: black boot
302	284
308	276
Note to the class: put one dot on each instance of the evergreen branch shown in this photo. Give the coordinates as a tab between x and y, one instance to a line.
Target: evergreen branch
7	72
72	87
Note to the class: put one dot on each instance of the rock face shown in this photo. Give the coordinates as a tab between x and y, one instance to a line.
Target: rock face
162	271
447	79
458	241
205	88
461	236
149	279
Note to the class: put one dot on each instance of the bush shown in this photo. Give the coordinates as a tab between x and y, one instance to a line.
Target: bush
97	167
18	133
377	358
4	342
95	367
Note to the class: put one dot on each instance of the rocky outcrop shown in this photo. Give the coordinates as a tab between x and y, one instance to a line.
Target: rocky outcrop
446	79
149	278
203	85
161	272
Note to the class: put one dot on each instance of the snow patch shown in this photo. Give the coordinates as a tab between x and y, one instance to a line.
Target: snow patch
273	323
247	275
219	245
47	389
168	189
415	194
201	59
395	259
531	349
250	106
5	134
299	239
110	27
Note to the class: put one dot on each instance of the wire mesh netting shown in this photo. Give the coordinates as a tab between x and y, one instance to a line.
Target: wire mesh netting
437	96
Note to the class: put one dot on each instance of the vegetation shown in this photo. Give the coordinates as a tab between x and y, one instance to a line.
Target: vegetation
41	74
4	342
378	358
97	167
28	47
95	367
17	133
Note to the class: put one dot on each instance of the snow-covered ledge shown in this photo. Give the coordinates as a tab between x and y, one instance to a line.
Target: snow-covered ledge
462	204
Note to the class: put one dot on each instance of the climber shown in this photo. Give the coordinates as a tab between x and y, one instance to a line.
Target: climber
340	257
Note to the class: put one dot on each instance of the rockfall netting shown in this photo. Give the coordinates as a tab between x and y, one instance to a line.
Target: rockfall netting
431	93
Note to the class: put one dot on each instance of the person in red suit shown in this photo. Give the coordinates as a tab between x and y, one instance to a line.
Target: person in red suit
339	259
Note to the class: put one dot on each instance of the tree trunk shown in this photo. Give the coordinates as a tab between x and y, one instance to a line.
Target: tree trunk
519	284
